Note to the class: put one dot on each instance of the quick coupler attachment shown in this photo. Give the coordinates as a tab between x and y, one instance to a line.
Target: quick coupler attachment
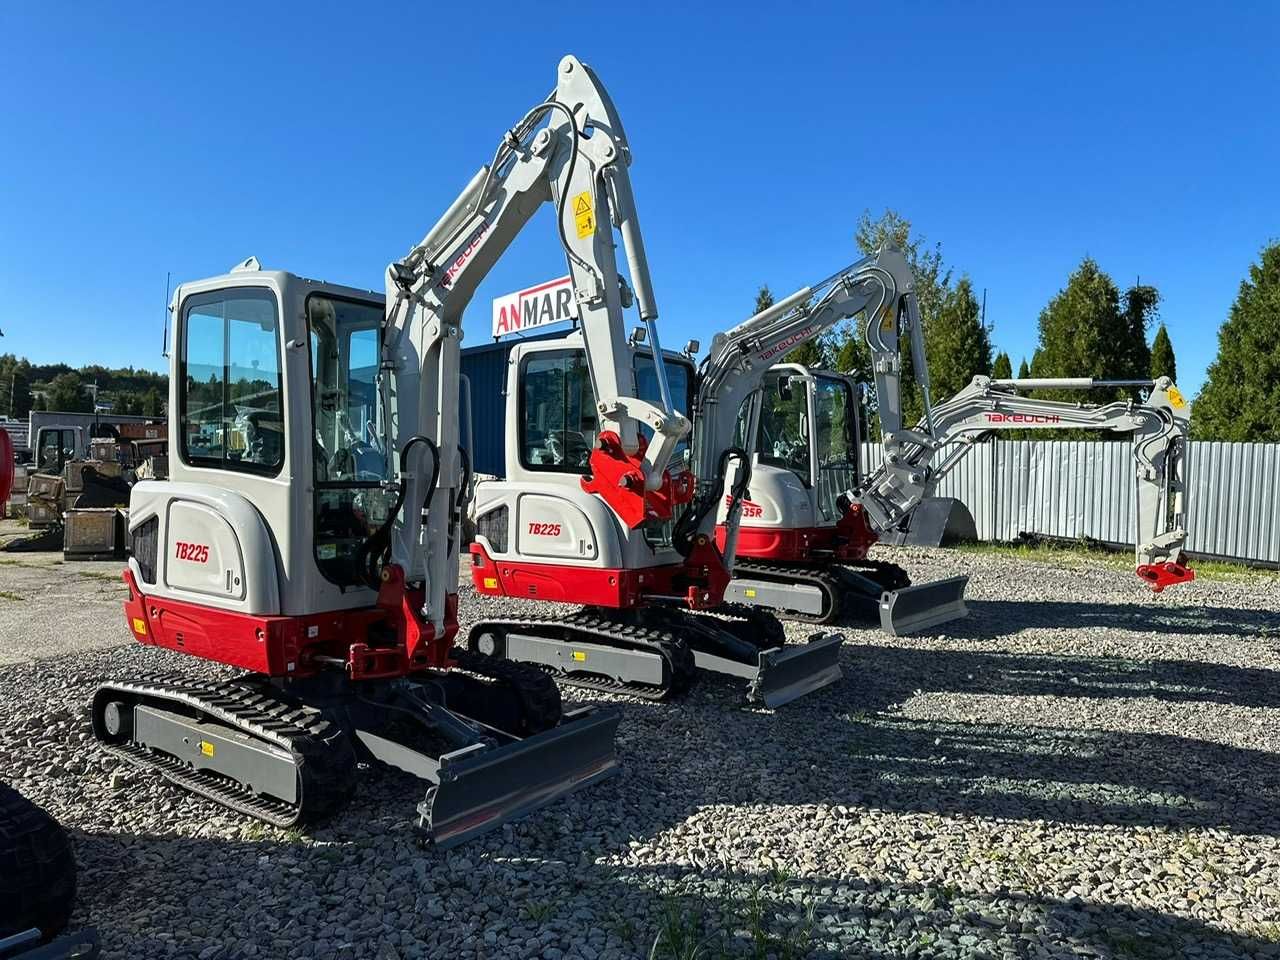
923	605
782	674
479	788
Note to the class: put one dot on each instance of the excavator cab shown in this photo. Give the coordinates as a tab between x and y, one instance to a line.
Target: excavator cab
807	446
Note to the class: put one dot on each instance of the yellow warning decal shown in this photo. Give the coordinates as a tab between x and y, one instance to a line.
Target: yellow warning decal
491	583
139	626
584	215
750	592
1175	398
886	322
579	656
206	748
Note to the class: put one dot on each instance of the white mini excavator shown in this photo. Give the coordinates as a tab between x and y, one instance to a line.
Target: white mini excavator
309	531
802	546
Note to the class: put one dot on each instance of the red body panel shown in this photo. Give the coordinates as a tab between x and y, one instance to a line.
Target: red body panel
778	543
6	470
849	540
287	646
701	580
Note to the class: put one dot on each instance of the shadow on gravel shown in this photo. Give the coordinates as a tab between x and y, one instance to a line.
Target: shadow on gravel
1068	776
182	897
895	674
1149	618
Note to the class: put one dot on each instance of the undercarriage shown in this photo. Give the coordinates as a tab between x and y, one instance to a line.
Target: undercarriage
488	737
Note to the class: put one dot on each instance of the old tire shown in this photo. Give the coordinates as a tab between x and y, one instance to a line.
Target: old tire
37	868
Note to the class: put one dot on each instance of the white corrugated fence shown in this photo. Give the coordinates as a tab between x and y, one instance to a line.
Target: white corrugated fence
1085	488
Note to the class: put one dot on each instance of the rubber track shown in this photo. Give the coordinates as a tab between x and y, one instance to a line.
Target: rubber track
610	629
841	596
538	693
37	868
322	753
834	608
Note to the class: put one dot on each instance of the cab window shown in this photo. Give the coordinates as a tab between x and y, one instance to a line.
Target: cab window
54	448
349	459
231	413
784	426
557	412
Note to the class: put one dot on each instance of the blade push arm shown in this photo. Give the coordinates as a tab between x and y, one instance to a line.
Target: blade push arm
1159	428
578	162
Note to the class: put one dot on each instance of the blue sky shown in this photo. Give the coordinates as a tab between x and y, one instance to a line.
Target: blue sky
325	140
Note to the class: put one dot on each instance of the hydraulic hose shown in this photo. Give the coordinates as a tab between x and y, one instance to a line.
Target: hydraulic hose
686	528
375	552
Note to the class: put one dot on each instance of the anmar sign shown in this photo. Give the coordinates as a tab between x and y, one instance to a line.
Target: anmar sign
550	302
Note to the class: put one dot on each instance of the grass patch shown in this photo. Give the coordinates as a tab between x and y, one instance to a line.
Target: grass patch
1061	555
540	911
99	575
762	916
8	595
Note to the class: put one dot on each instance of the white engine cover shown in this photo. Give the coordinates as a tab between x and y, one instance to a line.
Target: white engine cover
776	493
213	547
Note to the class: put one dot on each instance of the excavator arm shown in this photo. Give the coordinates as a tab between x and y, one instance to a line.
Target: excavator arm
570	151
739	359
1159	428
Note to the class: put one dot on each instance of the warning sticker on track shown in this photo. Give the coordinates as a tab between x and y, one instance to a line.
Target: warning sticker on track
584	215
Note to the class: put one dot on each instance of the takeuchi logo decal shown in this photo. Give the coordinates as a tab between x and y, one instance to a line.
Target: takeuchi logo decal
465	254
1023	418
786	344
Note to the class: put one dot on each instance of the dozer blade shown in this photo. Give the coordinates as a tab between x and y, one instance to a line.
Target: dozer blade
789	672
923	605
783	674
481	788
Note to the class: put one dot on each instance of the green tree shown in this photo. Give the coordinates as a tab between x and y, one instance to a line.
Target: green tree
1002	368
1140	308
1084	331
151	403
1242	393
39	403
853	356
957	343
66	393
1023	370
15	386
1163	363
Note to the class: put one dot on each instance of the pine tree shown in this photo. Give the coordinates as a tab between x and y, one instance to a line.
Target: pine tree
1140	302
1023	370
1163	363
853	356
957	343
1085	333
1002	368
932	287
1241	396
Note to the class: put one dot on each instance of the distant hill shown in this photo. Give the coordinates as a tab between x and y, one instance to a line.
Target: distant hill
58	386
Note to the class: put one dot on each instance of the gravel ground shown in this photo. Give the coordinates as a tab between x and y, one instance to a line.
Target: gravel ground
1094	774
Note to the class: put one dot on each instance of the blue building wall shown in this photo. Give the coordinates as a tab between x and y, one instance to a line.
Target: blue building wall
486	367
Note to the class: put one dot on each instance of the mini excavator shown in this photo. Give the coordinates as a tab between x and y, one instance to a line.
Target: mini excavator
309	531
